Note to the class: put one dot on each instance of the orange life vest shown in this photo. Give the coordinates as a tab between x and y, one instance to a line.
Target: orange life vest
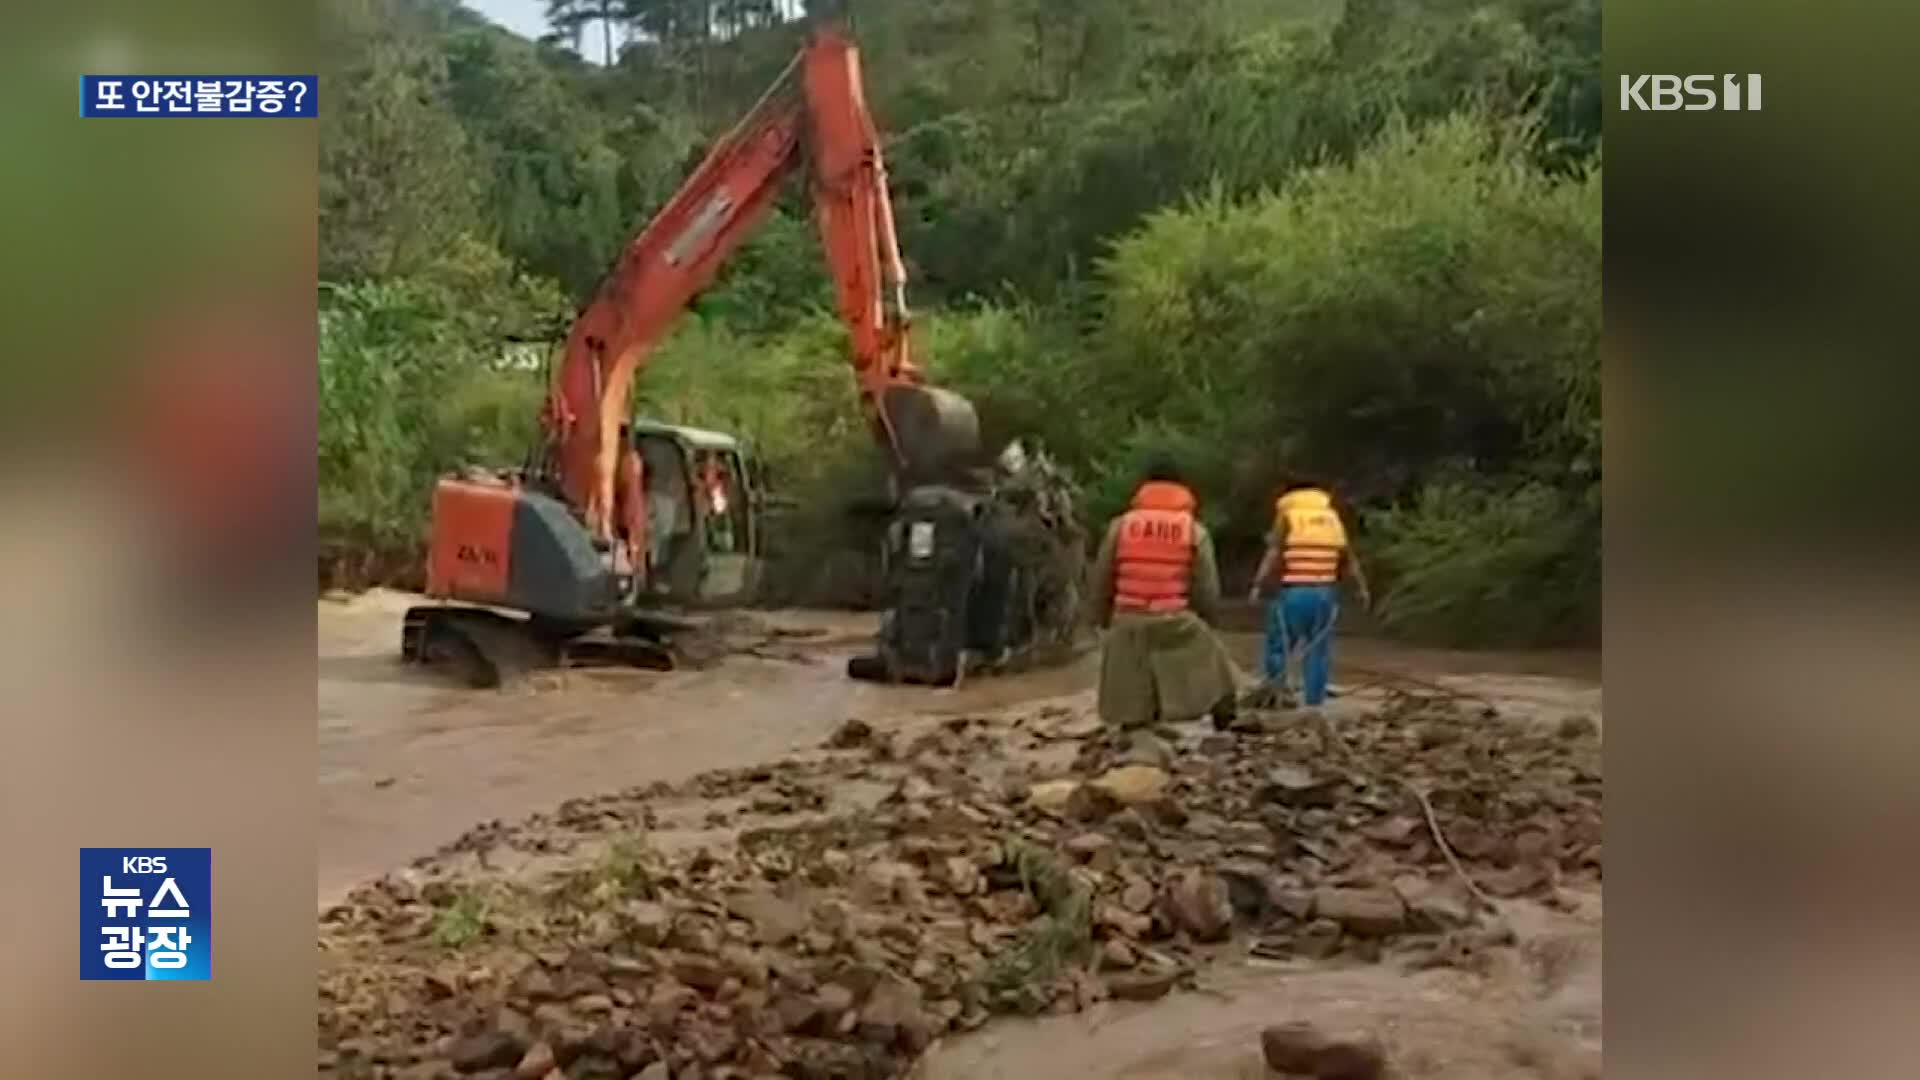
1154	555
1315	537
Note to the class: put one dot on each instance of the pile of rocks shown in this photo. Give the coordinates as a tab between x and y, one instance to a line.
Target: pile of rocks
841	944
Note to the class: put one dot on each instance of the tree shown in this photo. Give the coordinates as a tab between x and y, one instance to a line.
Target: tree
571	17
396	177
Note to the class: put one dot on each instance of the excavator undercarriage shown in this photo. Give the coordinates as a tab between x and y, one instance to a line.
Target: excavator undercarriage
485	648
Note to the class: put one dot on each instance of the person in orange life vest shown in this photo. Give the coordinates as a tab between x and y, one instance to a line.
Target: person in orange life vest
1306	554
1156	588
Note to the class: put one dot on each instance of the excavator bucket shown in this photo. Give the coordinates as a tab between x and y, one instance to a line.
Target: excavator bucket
937	431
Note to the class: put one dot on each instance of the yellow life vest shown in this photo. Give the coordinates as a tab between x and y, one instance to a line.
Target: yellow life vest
1315	537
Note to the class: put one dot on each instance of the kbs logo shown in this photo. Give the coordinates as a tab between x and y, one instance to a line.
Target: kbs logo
1692	93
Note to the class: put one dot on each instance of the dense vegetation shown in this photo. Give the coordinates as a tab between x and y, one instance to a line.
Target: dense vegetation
1360	239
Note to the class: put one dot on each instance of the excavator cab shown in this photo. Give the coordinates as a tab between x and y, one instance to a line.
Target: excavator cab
703	504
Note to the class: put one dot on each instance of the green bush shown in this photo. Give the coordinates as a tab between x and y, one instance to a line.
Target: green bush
1431	306
1465	566
411	387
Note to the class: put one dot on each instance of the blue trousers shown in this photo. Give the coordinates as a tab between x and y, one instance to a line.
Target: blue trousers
1300	619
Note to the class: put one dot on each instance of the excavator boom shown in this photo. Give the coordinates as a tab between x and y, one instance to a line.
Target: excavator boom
532	566
815	113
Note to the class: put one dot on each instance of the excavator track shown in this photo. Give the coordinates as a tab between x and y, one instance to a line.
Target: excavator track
486	649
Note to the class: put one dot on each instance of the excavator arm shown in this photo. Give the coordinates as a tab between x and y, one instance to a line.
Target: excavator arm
815	112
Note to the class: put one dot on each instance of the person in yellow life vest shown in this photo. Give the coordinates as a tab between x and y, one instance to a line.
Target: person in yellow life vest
1156	589
1306	555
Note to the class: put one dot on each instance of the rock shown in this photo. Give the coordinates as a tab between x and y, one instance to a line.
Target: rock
647	923
915	789
1577	726
1137	895
891	882
440	986
699	972
1363	912
694	935
1247	889
1318	940
799	1013
1080	727
552	1016
1302	1050
1089	845
593	1003
835	999
1434	908
1130	825
775	920
893	1014
1292	785
514	1024
1125	923
747	965
1146	748
538	1062
1052	796
1294	903
1198	902
656	1071
538	986
1393	831
851	734
1117	953
487	1050
628	966
1142	985
961	875
1132	785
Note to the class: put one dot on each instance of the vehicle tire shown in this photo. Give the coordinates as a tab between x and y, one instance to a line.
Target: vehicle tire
868	668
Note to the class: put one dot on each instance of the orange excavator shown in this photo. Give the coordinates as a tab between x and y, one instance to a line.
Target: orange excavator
550	558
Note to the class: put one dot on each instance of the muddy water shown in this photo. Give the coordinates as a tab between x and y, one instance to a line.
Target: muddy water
1534	1016
408	763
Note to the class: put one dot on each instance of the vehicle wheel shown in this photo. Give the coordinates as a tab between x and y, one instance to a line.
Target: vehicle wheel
867	668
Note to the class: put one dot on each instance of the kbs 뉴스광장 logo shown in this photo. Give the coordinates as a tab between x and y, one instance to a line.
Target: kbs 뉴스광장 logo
146	913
